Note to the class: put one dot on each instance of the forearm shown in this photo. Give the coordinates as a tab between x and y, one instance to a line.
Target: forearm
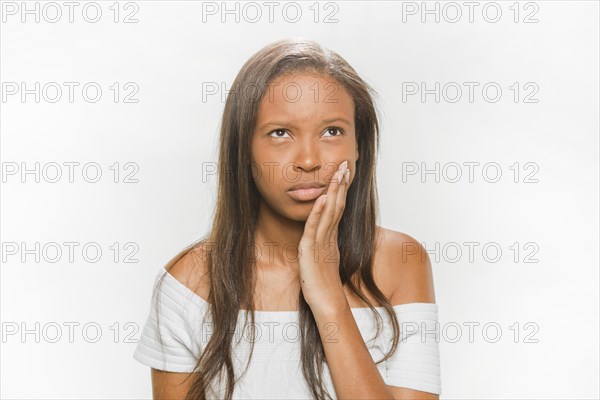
353	371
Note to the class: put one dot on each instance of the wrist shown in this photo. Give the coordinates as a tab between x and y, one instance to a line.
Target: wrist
331	309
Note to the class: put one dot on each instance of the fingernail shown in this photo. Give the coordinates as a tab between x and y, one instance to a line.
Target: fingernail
347	175
340	175
343	166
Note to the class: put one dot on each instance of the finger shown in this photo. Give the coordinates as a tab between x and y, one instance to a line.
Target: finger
328	213
341	201
312	222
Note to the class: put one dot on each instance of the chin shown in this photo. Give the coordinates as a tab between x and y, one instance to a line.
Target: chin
299	213
290	209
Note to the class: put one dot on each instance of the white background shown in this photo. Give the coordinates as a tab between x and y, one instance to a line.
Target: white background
170	134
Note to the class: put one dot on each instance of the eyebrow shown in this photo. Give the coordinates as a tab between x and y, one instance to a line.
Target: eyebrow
327	121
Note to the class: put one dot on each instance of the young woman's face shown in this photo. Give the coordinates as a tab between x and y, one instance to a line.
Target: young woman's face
304	131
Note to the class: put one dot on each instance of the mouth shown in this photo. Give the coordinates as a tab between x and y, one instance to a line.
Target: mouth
306	194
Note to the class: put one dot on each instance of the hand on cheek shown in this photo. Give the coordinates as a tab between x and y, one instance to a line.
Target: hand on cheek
318	253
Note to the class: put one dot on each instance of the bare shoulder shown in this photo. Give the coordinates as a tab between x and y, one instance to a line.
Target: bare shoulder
404	264
190	267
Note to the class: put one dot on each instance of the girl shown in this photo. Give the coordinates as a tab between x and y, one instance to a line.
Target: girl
338	306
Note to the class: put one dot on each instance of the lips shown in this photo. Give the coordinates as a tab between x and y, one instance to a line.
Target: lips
306	191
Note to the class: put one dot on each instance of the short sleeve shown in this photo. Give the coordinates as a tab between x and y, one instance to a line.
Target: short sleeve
416	362
168	340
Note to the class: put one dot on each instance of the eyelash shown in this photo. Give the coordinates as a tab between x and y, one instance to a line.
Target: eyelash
326	129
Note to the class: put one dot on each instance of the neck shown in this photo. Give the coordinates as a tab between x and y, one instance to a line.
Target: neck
277	239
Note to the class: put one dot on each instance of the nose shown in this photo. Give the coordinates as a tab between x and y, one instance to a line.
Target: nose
308	157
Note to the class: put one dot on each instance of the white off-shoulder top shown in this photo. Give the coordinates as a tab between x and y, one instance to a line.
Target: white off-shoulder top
184	327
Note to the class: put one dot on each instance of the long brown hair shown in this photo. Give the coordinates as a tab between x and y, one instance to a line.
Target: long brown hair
230	258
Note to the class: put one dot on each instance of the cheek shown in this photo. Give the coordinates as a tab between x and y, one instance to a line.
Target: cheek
273	174
268	182
272	193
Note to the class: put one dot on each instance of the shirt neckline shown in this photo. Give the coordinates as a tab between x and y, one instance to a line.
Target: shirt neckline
399	307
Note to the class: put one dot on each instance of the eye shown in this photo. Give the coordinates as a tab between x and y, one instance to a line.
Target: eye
277	131
335	128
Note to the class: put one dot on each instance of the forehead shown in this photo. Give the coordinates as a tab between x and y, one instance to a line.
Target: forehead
303	96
